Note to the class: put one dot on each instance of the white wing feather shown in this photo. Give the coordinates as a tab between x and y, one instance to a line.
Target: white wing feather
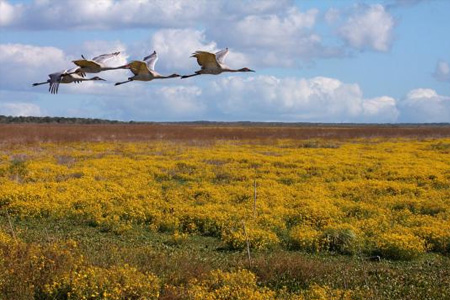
104	57
151	60
220	56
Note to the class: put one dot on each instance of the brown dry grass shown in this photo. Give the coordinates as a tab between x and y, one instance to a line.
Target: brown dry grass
32	133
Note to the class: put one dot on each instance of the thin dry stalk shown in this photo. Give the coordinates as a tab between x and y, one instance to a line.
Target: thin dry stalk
248	245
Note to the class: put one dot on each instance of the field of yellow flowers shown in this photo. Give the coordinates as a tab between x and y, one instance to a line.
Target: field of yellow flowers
226	219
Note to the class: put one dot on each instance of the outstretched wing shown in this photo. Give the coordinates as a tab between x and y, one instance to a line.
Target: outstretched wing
138	67
84	63
206	60
151	60
75	70
55	80
104	57
220	56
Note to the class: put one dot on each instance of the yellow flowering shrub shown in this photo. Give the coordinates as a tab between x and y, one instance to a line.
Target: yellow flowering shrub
5	238
399	245
304	237
324	292
436	235
219	285
312	195
235	237
115	283
25	268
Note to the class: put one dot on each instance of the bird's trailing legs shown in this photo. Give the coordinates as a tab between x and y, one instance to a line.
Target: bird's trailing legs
51	88
187	76
39	83
119	83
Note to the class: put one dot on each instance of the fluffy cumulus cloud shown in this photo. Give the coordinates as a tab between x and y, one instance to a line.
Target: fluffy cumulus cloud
369	27
149	101
174	47
266	30
182	101
442	71
110	14
318	99
8	13
276	39
103	14
424	106
380	110
23	64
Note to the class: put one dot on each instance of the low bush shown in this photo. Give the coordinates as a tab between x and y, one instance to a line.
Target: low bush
399	246
220	285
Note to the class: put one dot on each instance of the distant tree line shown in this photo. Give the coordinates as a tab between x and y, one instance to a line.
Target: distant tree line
54	120
63	120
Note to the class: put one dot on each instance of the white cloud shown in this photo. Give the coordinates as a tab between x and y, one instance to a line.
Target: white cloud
380	110
9	13
21	65
119	14
174	46
420	94
106	14
151	101
318	99
369	27
424	106
262	30
19	109
181	101
442	71
277	39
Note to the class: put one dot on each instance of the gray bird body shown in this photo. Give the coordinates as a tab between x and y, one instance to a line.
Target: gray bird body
74	75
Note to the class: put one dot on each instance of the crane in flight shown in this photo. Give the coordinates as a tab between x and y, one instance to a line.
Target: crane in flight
144	70
97	64
213	63
67	76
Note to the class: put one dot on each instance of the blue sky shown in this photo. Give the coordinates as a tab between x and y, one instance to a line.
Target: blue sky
381	61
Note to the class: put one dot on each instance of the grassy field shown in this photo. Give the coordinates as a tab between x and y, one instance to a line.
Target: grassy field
224	212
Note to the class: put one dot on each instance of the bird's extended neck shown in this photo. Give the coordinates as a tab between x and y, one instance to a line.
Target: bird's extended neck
114	68
171	76
39	83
